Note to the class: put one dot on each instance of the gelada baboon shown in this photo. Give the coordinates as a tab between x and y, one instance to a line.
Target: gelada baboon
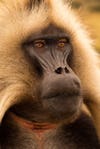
48	74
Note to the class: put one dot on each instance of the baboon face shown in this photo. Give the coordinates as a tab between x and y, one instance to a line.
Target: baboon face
37	76
55	93
48	77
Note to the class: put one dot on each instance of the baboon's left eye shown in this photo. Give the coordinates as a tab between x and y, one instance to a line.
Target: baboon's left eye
62	42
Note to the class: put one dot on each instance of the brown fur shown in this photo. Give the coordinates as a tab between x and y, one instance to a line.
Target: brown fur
18	20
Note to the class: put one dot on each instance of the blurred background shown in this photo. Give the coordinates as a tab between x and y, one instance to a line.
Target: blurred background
90	13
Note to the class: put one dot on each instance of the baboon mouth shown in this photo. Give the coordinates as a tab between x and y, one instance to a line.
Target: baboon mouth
60	95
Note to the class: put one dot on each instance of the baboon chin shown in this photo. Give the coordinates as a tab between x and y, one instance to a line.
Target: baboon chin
49	78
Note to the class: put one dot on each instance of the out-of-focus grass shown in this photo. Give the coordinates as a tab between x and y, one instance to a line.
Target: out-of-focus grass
93	20
91	13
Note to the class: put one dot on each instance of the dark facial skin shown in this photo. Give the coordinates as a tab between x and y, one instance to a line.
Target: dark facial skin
59	89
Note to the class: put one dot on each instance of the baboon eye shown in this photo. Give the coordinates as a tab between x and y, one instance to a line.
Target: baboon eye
39	43
62	42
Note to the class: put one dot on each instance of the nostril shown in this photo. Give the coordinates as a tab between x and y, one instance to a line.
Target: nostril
66	70
77	83
59	70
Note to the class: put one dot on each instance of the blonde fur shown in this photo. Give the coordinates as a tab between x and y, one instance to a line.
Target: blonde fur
17	22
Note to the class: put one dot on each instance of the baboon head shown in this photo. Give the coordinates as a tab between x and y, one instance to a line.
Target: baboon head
45	61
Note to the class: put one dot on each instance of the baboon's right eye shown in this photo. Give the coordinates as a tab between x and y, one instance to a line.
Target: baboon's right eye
39	43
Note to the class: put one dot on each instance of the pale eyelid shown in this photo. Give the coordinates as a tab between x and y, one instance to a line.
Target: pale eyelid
39	43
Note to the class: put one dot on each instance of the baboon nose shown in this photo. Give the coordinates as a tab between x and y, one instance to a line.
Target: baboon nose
61	70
